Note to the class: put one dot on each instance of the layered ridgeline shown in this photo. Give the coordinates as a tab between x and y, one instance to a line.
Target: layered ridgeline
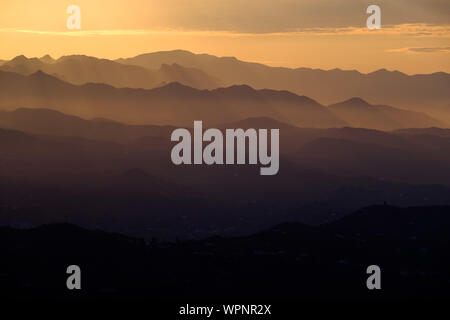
179	105
426	93
79	69
64	139
359	113
119	177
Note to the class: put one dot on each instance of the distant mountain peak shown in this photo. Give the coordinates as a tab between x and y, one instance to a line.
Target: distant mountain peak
356	101
20	58
177	51
23	63
241	88
41	75
170	52
175	87
383	71
47	59
80	58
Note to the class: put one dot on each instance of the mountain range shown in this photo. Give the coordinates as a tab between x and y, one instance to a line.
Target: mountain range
423	92
85	162
79	69
176	104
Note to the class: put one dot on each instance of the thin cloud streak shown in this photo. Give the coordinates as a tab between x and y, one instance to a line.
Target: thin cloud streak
419	50
417	30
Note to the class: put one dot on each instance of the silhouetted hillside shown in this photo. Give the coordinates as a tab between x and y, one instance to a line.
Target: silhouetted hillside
296	261
410	224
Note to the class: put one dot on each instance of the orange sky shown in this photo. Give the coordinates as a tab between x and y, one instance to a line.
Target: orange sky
413	39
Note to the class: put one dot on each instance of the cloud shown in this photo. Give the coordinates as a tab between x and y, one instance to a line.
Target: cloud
249	16
269	16
421	50
416	30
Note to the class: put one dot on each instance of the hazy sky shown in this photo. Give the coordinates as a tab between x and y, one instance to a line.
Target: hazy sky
415	34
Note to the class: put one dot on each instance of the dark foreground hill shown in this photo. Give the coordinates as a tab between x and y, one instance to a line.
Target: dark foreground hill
291	261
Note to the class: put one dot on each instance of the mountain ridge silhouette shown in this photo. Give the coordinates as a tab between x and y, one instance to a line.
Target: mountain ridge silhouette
177	104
